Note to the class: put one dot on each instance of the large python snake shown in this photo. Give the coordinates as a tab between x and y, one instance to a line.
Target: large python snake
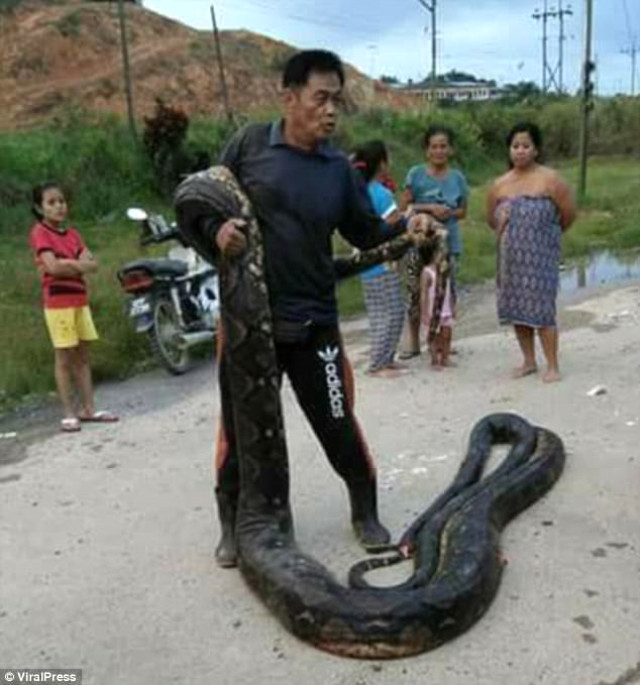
454	544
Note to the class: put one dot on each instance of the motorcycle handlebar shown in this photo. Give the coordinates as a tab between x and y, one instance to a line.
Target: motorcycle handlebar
156	230
148	238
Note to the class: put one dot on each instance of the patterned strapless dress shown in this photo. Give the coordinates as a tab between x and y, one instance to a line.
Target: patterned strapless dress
528	260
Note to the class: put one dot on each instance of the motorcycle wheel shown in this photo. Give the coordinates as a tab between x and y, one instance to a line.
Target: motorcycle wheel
165	336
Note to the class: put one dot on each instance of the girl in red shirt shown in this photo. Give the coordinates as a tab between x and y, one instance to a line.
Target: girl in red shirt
62	259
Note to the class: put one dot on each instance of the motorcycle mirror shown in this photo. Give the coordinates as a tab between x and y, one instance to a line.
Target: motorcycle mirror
137	214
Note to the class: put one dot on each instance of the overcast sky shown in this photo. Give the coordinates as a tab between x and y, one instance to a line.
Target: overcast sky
493	39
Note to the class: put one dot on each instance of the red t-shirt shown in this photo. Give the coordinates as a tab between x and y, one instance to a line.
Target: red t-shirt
59	292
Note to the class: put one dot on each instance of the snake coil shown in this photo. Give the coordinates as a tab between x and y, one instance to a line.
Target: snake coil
454	544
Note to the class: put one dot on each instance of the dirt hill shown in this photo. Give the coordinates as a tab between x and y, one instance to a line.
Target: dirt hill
60	55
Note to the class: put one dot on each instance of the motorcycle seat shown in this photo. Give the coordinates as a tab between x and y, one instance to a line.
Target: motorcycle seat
158	267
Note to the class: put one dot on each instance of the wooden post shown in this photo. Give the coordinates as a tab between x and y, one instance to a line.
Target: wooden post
223	82
127	71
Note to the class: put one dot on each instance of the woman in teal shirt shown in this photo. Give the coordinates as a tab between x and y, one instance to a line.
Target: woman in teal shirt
442	192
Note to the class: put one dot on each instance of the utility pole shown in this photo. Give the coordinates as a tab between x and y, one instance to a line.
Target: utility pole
544	16
632	52
223	82
127	71
587	97
562	13
552	77
431	8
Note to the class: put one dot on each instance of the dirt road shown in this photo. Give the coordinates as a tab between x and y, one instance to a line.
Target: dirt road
106	536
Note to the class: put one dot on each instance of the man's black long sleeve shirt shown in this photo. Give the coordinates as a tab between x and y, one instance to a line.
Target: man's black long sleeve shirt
300	198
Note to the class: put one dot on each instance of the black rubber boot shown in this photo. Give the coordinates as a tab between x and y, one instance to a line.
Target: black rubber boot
371	534
226	551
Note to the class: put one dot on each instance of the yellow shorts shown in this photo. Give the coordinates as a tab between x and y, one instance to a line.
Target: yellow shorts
70	325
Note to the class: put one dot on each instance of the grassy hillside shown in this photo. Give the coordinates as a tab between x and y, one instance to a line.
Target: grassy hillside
105	173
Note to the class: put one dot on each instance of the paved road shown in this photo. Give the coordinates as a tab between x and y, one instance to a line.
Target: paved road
106	537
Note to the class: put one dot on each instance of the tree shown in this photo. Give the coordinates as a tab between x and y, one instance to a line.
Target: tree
522	91
454	76
164	137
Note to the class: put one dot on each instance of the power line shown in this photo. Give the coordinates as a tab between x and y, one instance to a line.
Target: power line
343	20
628	20
332	21
282	13
349	17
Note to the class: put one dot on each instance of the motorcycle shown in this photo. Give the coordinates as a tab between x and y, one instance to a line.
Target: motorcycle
175	300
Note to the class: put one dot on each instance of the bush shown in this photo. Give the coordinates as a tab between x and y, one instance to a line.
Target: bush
164	136
616	126
92	156
403	132
560	124
70	25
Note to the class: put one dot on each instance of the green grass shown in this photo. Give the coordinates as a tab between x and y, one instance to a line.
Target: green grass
611	213
105	174
94	157
608	219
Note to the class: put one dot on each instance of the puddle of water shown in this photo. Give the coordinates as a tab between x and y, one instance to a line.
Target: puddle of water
601	268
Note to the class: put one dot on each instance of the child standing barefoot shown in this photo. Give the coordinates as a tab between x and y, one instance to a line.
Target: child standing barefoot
62	259
438	337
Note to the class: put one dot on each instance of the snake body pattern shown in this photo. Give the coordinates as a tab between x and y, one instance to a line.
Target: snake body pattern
454	544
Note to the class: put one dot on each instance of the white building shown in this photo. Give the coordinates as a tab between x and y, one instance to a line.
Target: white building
458	91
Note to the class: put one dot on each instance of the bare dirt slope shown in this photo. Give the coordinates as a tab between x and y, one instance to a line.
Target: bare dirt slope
56	57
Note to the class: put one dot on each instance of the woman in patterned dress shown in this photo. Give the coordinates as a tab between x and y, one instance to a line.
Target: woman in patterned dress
529	208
